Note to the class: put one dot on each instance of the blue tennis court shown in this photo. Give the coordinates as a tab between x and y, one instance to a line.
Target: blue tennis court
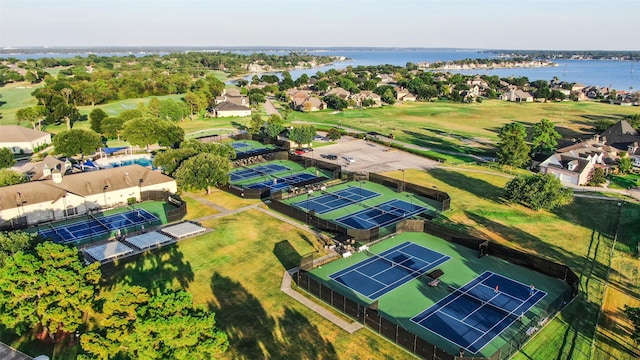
474	315
98	226
384	214
256	171
278	183
330	201
383	272
242	148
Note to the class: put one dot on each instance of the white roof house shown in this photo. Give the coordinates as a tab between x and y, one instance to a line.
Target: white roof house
21	139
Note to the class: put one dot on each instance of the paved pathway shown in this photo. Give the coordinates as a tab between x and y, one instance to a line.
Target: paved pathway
286	288
269	108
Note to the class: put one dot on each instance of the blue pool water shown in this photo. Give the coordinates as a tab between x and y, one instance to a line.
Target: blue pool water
142	162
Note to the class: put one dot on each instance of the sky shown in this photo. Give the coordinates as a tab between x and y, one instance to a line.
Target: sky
476	24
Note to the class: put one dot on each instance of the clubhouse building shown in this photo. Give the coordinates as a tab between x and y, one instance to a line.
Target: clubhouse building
59	196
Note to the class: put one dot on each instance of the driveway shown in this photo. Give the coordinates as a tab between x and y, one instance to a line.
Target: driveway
370	157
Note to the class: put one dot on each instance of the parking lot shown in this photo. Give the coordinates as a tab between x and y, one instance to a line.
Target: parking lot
369	156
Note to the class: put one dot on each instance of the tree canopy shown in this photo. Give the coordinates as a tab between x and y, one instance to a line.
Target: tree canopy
302	134
95	117
275	125
165	326
512	147
145	131
6	158
538	191
204	171
545	137
12	242
48	287
11	177
77	141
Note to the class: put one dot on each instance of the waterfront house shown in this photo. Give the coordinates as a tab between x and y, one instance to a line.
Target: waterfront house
517	95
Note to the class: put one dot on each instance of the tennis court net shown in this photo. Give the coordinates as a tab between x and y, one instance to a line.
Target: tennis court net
515	314
393	263
348	199
100	222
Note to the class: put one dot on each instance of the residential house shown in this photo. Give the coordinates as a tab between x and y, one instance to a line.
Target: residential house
309	104
517	95
23	140
403	94
366	95
64	196
340	92
623	137
43	169
230	109
567	169
232	95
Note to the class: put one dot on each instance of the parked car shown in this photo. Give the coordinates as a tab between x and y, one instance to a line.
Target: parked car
329	156
349	159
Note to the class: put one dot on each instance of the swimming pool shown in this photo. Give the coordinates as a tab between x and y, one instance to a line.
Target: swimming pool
140	161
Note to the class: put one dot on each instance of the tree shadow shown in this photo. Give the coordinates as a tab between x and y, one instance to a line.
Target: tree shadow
252	332
155	270
535	245
440	142
286	254
477	187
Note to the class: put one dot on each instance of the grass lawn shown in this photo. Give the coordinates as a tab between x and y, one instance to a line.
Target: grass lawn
469	128
14	97
626	181
226	200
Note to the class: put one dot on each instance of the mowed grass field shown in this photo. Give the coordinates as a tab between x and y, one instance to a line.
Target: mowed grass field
466	127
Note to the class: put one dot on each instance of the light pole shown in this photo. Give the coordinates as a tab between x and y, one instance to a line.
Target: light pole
309	193
403	183
104	192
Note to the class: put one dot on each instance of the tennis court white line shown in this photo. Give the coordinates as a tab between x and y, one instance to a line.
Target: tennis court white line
458	320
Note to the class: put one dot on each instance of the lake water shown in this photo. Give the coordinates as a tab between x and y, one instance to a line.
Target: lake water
621	75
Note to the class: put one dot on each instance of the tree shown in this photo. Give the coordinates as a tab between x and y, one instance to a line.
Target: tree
302	134
275	125
255	124
512	148
63	112
164	326
12	242
633	314
95	117
11	177
204	171
545	137
77	141
602	125
111	127
170	134
172	110
335	102
32	115
597	177
6	158
48	287
538	191
196	102
334	134
141	131
321	86
625	165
